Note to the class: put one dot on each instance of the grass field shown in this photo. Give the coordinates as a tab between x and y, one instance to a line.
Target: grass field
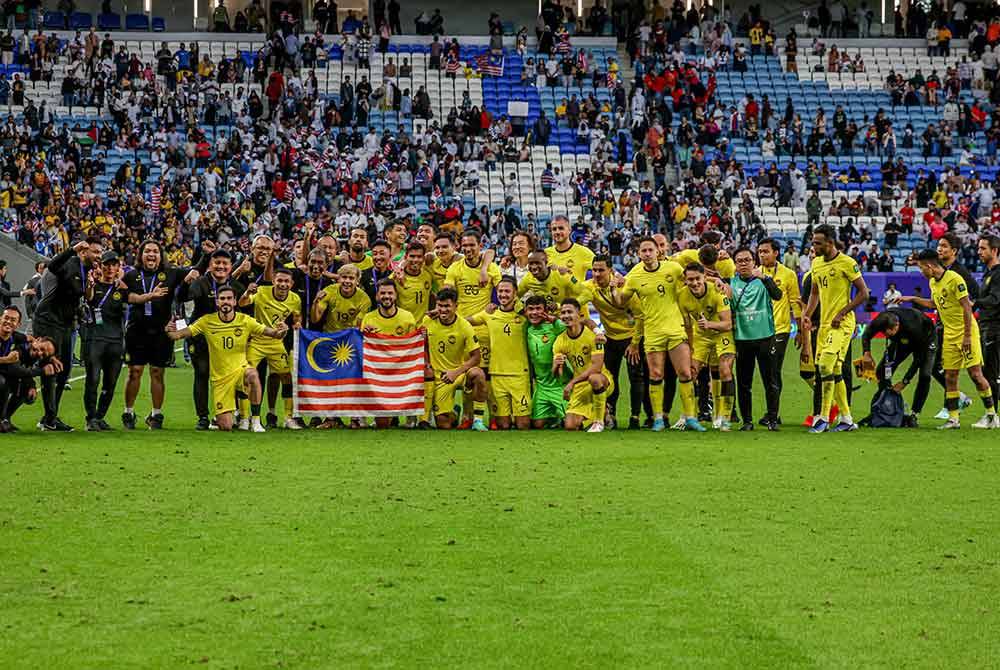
877	549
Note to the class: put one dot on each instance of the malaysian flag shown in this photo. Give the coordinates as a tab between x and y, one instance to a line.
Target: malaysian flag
350	373
490	64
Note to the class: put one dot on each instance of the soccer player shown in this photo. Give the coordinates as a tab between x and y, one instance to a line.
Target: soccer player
786	308
444	256
709	324
395	234
578	351
453	359
547	403
622	326
101	338
564	254
202	292
716	262
151	289
656	282
908	332
357	247
388	319
341	305
510	375
273	305
414	282
833	276
555	286
962	348
226	334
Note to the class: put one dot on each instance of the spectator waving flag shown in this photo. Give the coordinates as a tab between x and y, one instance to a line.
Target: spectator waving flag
490	64
350	373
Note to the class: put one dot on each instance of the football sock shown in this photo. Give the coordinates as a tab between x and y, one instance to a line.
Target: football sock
656	397
828	386
689	405
717	393
255	410
244	404
600	402
429	400
479	409
987	397
728	395
289	407
840	398
951	404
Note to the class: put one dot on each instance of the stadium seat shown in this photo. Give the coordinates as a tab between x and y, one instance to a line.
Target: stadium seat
109	22
54	21
159	24
136	22
80	21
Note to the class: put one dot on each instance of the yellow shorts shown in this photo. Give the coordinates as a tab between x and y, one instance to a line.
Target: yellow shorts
511	395
444	394
953	358
832	344
665	341
277	358
224	390
483	335
581	400
708	350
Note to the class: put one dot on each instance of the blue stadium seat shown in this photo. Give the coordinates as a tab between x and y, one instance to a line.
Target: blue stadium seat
136	22
81	21
109	22
55	21
159	24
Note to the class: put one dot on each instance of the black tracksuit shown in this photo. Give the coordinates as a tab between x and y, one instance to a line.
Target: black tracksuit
16	379
916	338
988	304
102	347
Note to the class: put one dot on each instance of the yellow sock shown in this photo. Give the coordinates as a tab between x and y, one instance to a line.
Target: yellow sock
688	403
951	403
289	407
479	409
429	400
656	397
600	405
840	397
717	395
987	398
244	404
828	391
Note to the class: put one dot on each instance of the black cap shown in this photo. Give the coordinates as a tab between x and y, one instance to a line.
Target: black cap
109	257
221	253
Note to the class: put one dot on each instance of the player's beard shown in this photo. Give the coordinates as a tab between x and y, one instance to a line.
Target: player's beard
357	249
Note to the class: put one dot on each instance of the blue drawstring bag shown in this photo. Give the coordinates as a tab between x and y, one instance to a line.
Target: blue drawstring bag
888	409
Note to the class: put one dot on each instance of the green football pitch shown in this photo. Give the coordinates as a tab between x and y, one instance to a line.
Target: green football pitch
876	549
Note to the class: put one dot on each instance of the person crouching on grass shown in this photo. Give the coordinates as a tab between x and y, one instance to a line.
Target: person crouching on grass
579	350
226	334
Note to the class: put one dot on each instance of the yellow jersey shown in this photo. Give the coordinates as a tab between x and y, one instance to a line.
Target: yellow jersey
710	305
449	345
415	292
227	341
834	279
657	292
340	311
724	266
555	288
790	304
508	344
400	323
947	294
579	259
439	270
270	311
362	265
579	351
472	298
619	323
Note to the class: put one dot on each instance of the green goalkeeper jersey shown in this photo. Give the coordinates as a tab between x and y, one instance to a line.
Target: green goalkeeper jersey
541	339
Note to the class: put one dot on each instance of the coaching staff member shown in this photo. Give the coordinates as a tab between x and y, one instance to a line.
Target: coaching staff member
908	332
65	284
988	304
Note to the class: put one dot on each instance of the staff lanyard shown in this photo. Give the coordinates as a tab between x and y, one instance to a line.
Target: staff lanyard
147	309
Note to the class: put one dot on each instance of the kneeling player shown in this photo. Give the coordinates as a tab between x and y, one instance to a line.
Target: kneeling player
547	403
709	324
453	359
578	350
226	334
273	305
961	348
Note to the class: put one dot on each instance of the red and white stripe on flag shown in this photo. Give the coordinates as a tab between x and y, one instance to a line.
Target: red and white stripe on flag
392	382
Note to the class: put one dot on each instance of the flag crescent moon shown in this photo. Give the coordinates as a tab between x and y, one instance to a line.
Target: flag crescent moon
311	350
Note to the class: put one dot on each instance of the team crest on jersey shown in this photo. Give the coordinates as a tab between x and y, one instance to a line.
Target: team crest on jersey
238	332
218	405
116	296
427	286
451	339
545	339
162	276
399	330
586	349
518	320
554	291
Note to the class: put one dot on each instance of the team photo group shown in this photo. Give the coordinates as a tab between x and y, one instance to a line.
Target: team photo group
537	338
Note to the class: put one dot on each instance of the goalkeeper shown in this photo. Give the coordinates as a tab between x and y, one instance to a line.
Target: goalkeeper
908	332
548	408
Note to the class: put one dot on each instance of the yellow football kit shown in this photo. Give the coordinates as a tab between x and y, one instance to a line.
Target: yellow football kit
449	345
227	354
724	266
270	311
663	325
400	322
343	311
415	292
580	352
834	279
579	259
510	376
790	304
947	294
708	345
473	298
555	288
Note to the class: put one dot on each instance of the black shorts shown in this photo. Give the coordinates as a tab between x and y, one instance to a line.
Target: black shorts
146	347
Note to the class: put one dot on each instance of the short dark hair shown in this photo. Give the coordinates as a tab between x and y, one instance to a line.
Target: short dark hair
571	301
602	258
415	246
953	240
14	308
708	254
746	249
928	255
445	236
826	230
224	289
381	243
992	240
771	242
695	267
711	237
284	271
645	238
535	299
447	294
507	279
388	281
474	234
